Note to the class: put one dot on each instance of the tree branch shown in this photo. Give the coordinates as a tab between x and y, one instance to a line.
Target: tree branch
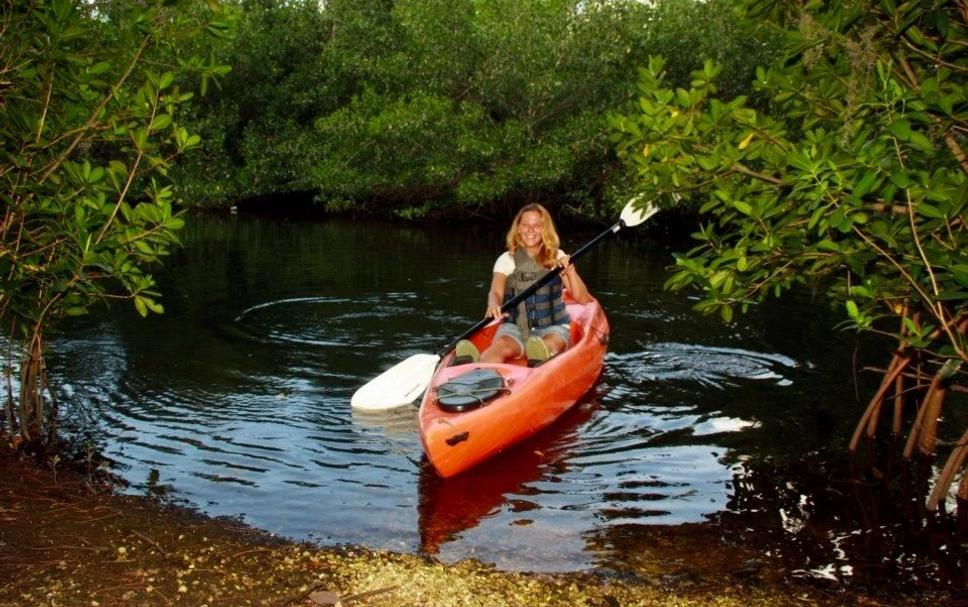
917	287
97	112
43	115
937	60
741	168
959	153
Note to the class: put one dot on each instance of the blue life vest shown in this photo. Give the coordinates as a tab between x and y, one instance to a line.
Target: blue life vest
545	307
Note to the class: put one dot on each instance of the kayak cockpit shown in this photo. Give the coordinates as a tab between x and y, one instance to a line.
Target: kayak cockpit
472	411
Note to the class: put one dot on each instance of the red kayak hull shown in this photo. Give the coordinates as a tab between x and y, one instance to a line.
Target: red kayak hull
533	399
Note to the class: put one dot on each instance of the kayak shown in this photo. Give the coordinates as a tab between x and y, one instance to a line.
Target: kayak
471	412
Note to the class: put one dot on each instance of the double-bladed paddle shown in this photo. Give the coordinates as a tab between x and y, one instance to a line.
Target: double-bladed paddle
401	384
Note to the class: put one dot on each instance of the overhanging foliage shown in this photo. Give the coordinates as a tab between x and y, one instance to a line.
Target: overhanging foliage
90	102
851	180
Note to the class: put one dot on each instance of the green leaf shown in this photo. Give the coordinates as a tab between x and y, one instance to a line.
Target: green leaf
144	247
717	279
889	191
921	142
160	122
929	211
860	291
99	68
901	129
852	310
960	273
947	104
153	305
900	179
743	207
140	138
815	217
863	186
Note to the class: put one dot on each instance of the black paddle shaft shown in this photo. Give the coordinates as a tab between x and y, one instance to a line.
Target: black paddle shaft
514	301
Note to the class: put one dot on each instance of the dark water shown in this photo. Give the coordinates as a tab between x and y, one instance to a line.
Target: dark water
237	401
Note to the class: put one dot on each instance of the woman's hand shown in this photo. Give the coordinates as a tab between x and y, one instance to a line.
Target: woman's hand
573	282
565	264
493	311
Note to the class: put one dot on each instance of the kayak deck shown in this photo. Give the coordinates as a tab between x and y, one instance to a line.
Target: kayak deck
531	398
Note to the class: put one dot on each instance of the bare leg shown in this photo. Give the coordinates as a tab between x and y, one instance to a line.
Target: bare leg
555	344
501	350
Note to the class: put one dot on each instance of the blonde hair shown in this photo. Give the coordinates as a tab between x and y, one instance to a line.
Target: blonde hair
548	253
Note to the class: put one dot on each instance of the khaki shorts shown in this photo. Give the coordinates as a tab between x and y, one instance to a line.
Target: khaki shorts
511	330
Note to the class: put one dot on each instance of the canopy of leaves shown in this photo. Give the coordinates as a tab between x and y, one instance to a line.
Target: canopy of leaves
88	125
426	107
851	180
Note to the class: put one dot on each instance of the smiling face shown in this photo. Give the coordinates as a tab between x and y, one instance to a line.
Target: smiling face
534	231
530	229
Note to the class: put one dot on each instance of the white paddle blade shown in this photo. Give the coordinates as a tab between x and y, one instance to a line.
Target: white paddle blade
398	386
635	213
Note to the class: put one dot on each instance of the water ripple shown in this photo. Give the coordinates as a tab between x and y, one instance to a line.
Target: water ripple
711	367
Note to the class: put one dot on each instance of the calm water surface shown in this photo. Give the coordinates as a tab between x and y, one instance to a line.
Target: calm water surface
237	399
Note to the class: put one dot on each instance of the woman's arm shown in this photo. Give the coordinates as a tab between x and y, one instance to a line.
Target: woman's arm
573	282
495	297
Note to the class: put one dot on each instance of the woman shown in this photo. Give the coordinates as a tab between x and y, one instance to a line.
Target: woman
540	326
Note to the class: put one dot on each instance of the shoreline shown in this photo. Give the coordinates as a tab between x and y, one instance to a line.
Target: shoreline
66	541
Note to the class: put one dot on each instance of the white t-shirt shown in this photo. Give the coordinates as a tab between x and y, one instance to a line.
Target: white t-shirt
505	263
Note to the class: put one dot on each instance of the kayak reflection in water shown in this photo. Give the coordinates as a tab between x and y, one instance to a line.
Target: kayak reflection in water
540	326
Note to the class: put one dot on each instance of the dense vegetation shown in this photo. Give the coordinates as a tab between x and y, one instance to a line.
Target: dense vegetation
426	108
91	102
853	180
